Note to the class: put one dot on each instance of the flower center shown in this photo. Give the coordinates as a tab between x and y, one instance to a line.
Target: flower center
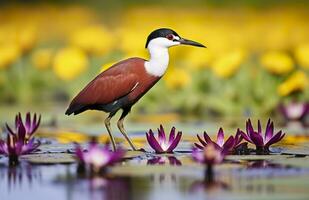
164	146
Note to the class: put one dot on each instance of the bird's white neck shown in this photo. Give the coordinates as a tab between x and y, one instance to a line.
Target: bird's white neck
158	62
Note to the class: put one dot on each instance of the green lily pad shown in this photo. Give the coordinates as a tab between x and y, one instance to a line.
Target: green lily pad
133	154
49	158
135	170
296	149
255	157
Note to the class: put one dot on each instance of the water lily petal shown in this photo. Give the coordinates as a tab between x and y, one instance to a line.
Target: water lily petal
21	133
161	135
257	139
172	135
35	125
220	137
276	138
116	156
269	131
30	147
175	142
282	136
197	155
249	128
245	136
207	138
259	128
28	122
198	146
9	129
18	120
201	141
238	137
229	144
153	142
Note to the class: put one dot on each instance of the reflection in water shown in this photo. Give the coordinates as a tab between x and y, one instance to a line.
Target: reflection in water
162	160
233	181
165	186
109	188
19	176
94	186
262	164
210	187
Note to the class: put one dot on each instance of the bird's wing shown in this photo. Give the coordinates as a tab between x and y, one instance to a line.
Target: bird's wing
112	84
106	89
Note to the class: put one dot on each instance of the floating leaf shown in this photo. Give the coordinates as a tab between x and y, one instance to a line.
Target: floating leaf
49	158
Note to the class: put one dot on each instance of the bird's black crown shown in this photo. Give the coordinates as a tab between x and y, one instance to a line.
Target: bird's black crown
162	32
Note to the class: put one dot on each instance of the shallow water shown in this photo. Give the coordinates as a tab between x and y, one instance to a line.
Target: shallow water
142	178
51	173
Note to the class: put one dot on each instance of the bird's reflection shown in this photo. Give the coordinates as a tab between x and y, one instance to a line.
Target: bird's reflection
163	160
24	174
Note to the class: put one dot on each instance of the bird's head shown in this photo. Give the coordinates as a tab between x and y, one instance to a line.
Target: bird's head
166	38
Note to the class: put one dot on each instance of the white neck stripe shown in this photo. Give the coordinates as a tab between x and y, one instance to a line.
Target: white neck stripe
159	57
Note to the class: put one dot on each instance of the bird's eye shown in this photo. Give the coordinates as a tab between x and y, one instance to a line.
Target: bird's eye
170	37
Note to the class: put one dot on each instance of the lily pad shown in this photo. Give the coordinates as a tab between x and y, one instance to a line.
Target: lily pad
255	157
299	149
49	158
134	154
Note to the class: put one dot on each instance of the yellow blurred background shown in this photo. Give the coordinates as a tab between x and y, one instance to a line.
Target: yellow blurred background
257	55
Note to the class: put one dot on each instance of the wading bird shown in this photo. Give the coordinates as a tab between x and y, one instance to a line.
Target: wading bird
124	83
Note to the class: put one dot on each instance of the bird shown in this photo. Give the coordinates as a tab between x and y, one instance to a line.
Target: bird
124	83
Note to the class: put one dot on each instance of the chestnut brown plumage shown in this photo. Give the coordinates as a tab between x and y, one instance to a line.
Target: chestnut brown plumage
123	84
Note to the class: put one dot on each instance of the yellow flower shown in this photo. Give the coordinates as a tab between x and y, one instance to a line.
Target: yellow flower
302	55
26	38
69	63
298	81
95	40
177	78
41	58
277	62
228	64
198	59
8	55
132	42
106	66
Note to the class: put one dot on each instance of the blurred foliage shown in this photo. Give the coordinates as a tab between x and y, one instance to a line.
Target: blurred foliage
256	58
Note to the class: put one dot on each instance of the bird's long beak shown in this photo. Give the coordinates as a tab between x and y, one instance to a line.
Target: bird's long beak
190	42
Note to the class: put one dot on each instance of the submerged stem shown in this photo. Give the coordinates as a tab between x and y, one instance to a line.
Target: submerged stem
209	175
262	150
13	160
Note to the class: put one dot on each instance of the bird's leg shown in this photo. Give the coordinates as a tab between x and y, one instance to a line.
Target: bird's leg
121	128
108	127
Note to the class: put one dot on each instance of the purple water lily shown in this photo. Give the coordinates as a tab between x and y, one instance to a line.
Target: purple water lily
161	144
231	144
255	137
212	154
97	158
29	127
294	110
16	145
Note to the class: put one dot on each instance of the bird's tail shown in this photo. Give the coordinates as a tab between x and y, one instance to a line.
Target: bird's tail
69	111
75	109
